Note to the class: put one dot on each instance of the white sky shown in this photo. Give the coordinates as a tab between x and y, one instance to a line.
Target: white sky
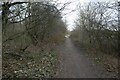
71	17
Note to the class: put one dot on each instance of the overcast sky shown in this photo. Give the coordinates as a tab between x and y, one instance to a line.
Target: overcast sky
71	17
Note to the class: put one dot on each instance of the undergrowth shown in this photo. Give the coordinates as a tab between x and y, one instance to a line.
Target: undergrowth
18	64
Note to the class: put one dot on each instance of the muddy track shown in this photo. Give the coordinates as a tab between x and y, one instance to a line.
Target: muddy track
75	64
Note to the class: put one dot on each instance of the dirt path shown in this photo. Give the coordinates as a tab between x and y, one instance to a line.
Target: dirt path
74	64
